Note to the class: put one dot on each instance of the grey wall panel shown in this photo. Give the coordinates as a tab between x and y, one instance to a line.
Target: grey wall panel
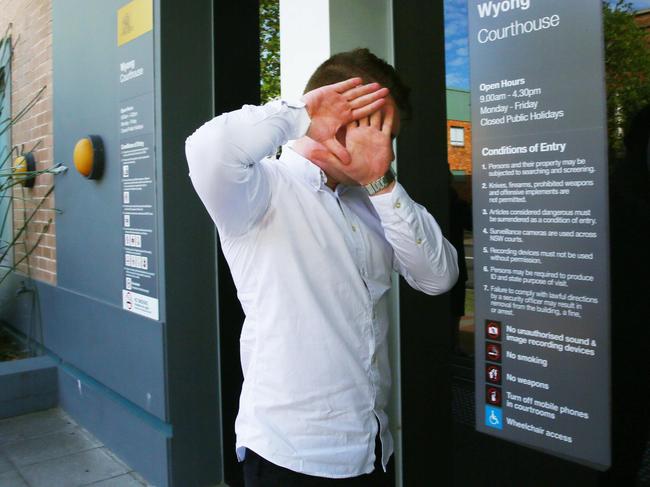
92	91
138	442
89	231
164	369
118	349
83	321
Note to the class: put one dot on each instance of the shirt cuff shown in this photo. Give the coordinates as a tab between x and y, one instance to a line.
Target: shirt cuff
394	206
301	115
293	112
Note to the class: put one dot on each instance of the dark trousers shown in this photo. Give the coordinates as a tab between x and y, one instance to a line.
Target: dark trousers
259	472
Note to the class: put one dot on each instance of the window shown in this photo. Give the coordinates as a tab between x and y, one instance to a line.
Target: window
459	118
6	156
457	136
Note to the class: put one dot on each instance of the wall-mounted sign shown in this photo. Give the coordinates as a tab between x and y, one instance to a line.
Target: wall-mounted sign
541	225
134	19
137	158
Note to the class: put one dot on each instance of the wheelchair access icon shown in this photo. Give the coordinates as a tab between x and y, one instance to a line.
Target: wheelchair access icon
493	417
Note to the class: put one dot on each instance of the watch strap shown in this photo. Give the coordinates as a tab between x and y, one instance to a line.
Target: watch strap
381	183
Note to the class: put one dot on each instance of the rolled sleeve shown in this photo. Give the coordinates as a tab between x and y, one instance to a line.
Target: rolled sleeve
223	156
422	255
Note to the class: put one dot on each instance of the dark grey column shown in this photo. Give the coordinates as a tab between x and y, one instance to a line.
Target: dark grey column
186	101
423	170
236	82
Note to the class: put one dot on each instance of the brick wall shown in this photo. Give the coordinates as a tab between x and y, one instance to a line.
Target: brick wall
460	158
643	21
31	69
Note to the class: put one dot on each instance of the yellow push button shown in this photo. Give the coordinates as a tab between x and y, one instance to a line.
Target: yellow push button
24	164
88	157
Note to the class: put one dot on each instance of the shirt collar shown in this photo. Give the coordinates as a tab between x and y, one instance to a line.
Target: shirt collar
302	167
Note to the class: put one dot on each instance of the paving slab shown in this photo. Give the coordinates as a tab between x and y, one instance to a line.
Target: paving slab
5	464
75	470
125	480
34	425
140	478
12	479
53	445
117	459
49	449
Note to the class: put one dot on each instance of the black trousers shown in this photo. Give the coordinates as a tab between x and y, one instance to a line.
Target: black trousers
259	472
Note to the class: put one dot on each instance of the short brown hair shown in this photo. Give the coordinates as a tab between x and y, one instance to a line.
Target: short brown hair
361	62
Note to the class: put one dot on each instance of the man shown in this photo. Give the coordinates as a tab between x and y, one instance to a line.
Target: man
311	240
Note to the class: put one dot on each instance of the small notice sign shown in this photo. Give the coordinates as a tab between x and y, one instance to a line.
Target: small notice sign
140	304
134	19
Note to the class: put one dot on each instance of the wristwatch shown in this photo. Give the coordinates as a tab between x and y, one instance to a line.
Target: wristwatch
381	183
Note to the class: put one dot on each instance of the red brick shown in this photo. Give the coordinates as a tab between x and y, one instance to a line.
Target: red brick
460	158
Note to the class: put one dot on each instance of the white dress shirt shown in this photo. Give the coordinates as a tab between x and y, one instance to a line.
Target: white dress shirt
312	269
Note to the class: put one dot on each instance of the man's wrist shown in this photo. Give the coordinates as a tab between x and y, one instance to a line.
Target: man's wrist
382	184
387	189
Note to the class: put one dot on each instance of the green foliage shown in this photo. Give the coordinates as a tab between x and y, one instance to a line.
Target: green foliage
269	49
627	64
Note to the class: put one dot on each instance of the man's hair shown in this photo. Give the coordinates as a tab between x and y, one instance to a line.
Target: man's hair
364	64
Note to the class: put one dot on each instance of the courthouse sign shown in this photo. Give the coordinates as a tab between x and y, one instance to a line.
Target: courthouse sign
541	225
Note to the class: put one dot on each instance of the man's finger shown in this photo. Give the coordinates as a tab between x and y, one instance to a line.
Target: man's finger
387	125
344	86
360	90
369	98
375	120
338	150
359	113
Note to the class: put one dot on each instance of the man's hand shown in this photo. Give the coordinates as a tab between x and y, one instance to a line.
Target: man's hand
334	106
370	143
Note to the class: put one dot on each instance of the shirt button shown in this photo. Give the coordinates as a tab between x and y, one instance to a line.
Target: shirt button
398	204
354	228
418	241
